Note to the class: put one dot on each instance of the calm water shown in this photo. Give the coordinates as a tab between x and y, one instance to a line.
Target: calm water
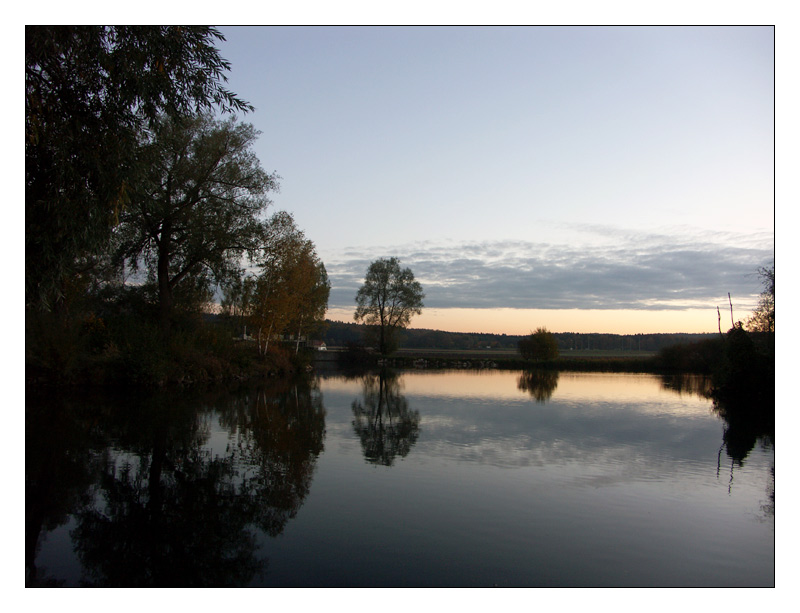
413	479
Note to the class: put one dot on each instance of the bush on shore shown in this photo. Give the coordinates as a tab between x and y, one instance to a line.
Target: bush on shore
127	349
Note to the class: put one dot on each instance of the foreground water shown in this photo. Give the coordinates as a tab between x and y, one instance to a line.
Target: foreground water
410	479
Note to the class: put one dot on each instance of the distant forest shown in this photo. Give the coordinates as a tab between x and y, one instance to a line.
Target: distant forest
340	334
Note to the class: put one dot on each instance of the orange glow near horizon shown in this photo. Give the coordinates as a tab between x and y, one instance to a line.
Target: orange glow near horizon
523	321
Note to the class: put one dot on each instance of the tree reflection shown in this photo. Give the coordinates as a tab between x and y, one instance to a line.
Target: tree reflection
748	421
745	427
168	509
278	437
697	385
59	471
538	383
383	421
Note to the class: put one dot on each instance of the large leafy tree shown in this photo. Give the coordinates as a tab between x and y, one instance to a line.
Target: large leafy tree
388	299
89	90
196	207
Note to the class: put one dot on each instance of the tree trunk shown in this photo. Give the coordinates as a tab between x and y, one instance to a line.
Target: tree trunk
164	296
164	287
382	339
269	333
299	329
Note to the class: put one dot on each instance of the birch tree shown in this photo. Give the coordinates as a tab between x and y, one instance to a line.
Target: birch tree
292	288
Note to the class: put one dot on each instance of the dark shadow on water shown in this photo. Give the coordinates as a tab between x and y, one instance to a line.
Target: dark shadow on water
153	505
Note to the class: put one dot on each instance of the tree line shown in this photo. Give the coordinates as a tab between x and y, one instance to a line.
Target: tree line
144	201
340	334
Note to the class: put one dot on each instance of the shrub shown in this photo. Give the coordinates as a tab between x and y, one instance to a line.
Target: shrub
540	345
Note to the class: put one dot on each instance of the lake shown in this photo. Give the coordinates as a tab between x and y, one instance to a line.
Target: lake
421	478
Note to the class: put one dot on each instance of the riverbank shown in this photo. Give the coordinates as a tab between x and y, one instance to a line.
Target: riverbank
586	360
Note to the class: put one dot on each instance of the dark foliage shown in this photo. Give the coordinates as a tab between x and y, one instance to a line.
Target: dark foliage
540	345
89	91
700	357
340	333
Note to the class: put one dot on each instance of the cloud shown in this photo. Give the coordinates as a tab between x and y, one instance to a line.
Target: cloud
612	269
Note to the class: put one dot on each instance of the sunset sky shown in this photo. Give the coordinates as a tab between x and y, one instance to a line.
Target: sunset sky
587	179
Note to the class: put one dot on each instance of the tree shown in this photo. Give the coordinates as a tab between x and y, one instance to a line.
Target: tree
388	299
195	208
539	345
313	290
292	288
237	296
763	318
89	91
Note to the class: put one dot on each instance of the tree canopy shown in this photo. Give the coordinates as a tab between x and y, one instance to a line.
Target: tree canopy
539	345
292	288
195	208
388	299
89	91
130	167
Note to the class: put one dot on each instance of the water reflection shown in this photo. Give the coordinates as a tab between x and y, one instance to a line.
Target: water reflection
153	503
58	473
185	489
538	383
697	385
383	421
278	438
746	425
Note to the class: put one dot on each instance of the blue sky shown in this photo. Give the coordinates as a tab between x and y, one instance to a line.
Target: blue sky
545	171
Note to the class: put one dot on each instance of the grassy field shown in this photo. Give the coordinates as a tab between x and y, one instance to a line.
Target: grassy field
585	360
489	354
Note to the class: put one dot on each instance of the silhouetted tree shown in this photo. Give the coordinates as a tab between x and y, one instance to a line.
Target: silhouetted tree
195	209
89	91
540	345
388	299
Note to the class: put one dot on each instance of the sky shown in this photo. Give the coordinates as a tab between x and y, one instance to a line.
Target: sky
586	179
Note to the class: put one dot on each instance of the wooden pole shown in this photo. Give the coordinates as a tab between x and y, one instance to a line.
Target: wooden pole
731	303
